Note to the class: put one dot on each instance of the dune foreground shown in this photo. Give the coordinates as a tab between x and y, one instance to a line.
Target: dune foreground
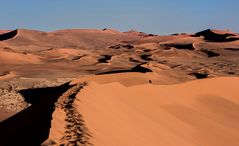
108	88
201	112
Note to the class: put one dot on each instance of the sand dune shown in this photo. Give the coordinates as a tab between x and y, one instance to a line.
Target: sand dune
18	58
62	53
203	112
63	50
119	88
127	79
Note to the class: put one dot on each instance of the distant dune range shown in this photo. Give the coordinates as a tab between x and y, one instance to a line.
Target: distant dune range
105	87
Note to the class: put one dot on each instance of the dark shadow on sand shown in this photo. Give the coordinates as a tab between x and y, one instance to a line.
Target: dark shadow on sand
211	36
31	126
137	68
8	35
179	46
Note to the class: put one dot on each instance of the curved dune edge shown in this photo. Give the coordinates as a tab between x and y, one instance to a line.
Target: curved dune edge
127	79
6	35
200	112
131	78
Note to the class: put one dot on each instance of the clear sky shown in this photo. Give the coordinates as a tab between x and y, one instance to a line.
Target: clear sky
151	16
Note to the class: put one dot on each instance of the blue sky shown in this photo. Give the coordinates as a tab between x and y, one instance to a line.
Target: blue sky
151	16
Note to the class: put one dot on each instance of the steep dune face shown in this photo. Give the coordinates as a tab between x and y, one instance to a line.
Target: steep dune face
202	112
197	113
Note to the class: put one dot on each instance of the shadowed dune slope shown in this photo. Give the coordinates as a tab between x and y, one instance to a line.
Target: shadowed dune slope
30	127
217	35
8	35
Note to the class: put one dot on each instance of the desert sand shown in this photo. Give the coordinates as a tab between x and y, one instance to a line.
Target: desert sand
201	112
105	87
